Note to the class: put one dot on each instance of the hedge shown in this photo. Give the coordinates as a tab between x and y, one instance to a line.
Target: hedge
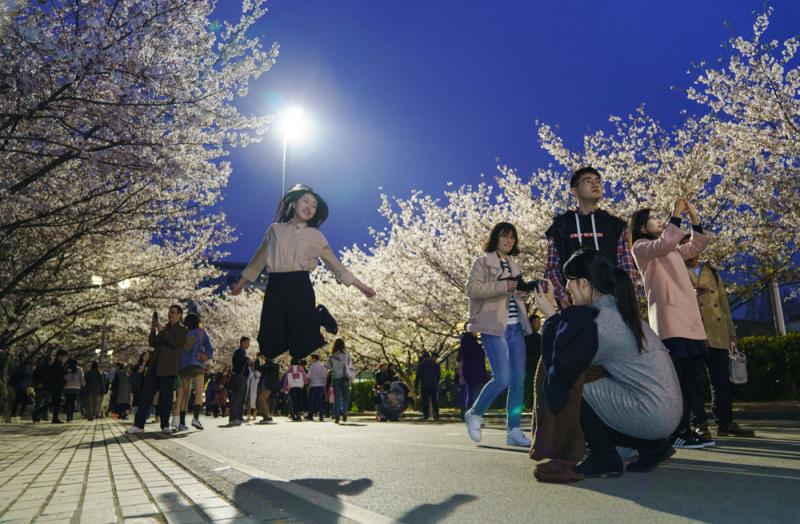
773	368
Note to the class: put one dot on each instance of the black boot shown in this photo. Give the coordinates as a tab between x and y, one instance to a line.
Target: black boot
648	461
601	465
326	320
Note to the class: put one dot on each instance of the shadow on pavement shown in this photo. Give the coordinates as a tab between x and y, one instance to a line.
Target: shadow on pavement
248	496
681	487
436	512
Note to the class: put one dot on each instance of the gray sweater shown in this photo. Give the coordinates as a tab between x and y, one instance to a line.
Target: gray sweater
642	398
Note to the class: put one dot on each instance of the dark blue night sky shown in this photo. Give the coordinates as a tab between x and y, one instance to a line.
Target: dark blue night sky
415	94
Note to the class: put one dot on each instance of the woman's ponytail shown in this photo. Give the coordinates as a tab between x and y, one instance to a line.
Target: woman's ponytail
627	304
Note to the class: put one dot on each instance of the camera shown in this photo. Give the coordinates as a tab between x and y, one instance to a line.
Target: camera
528	287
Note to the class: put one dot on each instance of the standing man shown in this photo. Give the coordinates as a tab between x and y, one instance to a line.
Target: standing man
317	376
533	351
238	382
168	342
55	383
721	342
427	382
588	227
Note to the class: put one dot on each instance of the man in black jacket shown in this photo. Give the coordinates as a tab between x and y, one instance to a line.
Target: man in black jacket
237	385
168	342
427	382
589	227
55	383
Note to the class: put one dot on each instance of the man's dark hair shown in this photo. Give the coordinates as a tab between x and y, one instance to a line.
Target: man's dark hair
315	357
61	352
500	229
243	340
177	308
192	321
576	176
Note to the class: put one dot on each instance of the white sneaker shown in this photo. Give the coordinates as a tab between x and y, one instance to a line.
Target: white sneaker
183	427
196	423
473	425
516	437
134	430
167	430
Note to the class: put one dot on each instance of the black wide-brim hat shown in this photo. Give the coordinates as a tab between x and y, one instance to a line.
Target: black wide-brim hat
298	190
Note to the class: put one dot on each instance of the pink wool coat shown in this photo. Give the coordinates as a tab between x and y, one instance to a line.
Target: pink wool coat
671	298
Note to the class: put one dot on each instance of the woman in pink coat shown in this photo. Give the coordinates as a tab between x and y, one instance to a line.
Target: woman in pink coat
673	312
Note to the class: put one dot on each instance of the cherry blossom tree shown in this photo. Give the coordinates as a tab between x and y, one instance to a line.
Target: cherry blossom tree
115	118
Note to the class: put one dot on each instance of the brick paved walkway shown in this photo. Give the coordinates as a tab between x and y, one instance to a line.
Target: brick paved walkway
92	472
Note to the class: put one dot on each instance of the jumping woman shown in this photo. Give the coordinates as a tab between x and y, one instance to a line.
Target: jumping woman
290	320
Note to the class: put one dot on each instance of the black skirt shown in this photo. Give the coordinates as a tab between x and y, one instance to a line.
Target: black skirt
289	320
683	347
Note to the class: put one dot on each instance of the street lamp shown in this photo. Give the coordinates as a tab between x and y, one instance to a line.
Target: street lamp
294	125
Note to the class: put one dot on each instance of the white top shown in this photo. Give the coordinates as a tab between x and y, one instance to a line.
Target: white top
294	247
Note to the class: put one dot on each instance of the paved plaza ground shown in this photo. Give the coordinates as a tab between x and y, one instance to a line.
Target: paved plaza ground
365	471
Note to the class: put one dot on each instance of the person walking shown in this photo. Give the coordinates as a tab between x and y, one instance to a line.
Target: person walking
497	311
237	384
290	319
342	372
269	384
20	379
167	341
40	379
473	367
317	376
427	383
195	356
294	381
95	386
73	382
251	394
721	342
673	311
121	392
586	226
55	384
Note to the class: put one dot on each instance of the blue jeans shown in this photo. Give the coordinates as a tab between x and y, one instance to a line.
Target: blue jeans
507	359
341	396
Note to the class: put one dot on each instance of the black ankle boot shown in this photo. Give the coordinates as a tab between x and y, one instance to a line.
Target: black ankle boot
601	465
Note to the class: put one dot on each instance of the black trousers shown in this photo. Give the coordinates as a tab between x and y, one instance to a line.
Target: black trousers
236	390
165	386
296	395
602	439
316	401
717	362
430	398
69	399
55	402
289	320
688	370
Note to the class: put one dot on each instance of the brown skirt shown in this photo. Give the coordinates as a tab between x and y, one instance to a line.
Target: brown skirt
556	437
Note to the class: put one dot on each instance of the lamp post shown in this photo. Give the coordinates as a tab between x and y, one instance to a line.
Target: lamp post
97	280
294	125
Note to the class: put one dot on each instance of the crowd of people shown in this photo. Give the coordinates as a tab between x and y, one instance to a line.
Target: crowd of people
605	379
